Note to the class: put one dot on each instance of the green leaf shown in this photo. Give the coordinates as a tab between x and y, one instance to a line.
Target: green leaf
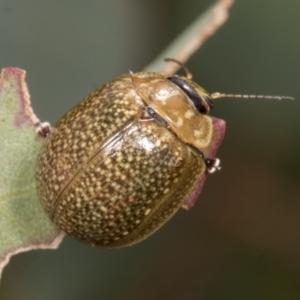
24	225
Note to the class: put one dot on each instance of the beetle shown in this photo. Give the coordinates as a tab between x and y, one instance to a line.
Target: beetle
120	164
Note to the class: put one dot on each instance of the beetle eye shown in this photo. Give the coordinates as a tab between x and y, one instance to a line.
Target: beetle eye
192	94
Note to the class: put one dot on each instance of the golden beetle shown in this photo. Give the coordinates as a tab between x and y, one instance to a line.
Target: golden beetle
119	164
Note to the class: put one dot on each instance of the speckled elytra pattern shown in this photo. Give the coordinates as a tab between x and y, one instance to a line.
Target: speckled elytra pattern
108	175
80	132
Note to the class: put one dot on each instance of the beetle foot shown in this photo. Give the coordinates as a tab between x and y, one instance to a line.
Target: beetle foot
212	165
43	129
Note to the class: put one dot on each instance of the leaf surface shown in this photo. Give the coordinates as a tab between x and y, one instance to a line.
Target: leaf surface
24	225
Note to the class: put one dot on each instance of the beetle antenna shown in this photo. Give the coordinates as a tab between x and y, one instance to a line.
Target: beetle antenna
189	75
220	95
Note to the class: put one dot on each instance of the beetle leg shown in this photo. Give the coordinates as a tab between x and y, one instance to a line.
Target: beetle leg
43	129
212	164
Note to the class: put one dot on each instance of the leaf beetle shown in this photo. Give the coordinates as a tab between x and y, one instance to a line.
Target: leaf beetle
120	164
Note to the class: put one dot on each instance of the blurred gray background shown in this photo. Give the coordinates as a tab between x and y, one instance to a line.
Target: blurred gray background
242	239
